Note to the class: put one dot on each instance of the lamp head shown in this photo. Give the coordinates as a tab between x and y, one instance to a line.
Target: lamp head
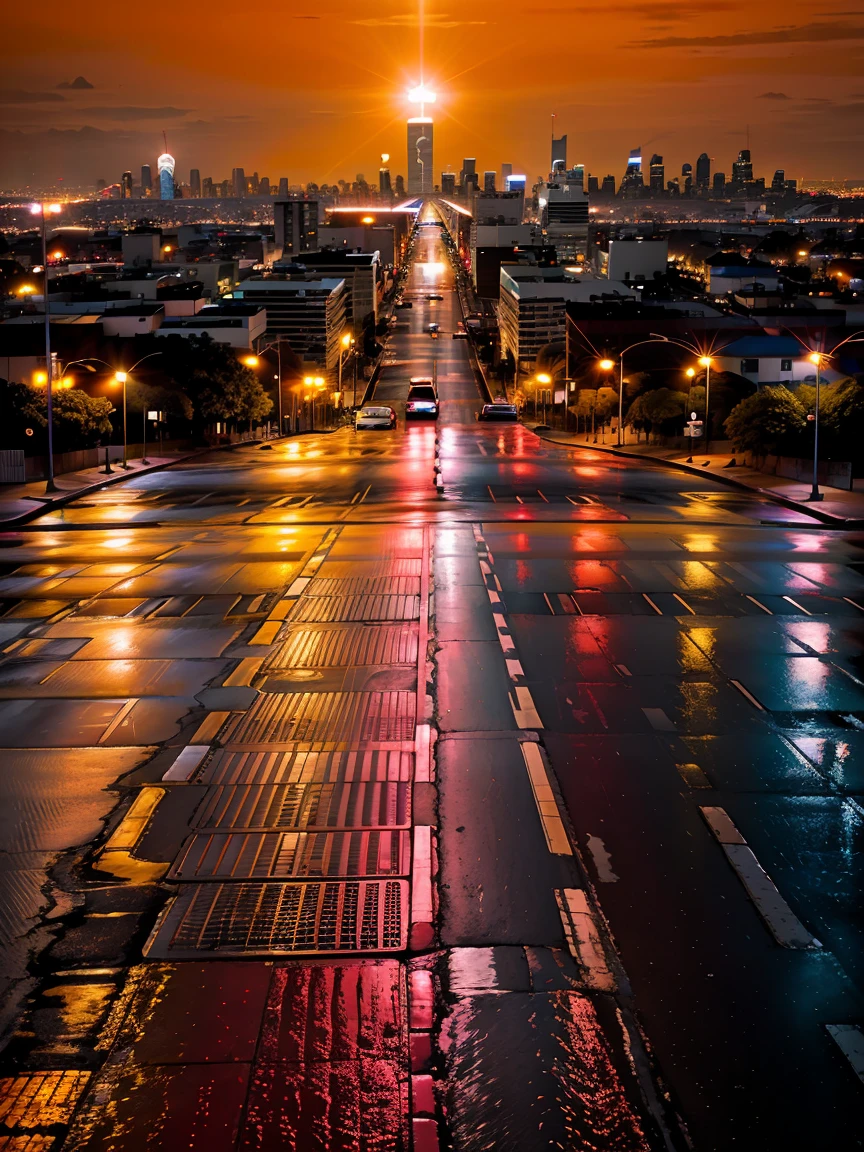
606	364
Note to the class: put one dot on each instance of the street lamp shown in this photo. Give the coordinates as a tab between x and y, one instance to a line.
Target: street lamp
43	210
121	376
346	341
607	365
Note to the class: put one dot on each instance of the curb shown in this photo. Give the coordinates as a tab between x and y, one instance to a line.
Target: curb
60	501
827	518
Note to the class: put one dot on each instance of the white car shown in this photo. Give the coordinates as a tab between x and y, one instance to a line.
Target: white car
375	416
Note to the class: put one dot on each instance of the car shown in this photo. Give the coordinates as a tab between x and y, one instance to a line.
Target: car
432	328
434	296
498	411
422	400
404	304
460	335
375	416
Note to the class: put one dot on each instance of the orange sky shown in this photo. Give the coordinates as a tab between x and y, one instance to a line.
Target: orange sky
315	89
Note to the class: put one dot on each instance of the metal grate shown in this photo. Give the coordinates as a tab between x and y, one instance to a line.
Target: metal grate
365	586
342	805
277	718
341	569
261	919
306	764
349	647
338	608
292	855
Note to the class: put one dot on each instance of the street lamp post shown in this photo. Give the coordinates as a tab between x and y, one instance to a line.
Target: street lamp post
815	494
345	342
121	376
253	360
607	365
41	210
705	362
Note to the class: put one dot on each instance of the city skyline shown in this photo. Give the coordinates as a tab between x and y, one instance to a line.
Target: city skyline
676	79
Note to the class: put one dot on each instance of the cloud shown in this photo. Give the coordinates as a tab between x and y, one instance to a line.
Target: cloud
79	84
806	34
773	96
132	113
18	96
412	20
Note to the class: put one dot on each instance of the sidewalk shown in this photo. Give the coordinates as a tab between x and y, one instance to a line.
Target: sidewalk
839	508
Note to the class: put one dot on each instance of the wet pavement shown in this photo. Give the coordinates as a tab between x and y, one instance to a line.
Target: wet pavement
344	810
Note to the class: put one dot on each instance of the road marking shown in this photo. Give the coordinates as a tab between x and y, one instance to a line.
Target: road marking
645	596
737	684
557	839
421	875
583	938
759	604
483	451
523	708
658	720
602	860
492	494
207	730
693	776
299	586
681	600
853	603
850	1040
186	763
267	633
779	918
514	669
365	494
622	670
795	604
117	721
494	598
549	604
542	497
130	829
244	673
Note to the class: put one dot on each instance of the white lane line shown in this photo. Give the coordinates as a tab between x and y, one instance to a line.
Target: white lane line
542	497
850	1040
779	918
693	776
553	828
749	695
645	596
549	604
494	598
622	670
795	604
117	721
524	710
602	860
759	604
853	603
681	600
583	939
299	586
514	669
186	763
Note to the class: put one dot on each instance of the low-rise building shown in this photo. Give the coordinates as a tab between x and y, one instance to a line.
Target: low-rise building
309	314
241	326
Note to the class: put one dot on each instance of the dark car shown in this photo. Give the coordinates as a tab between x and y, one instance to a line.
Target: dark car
460	335
404	304
434	296
498	411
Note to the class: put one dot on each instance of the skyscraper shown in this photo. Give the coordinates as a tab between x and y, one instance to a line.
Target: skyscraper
489	181
559	152
778	184
469	168
264	186
506	170
703	173
283	186
657	176
195	183
238	180
399	186
448	183
146	180
718	184
420	155
632	182
165	168
687	179
207	190
607	188
742	171
296	226
126	186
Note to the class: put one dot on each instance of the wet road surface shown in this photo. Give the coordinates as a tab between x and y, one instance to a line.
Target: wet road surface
337	807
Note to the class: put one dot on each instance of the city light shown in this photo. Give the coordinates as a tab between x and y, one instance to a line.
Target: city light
544	378
121	377
251	361
706	361
606	365
40	378
815	358
421	95
26	290
44	209
367	220
691	372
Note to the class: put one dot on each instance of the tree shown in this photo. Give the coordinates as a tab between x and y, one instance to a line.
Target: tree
772	421
80	421
217	384
841	414
661	405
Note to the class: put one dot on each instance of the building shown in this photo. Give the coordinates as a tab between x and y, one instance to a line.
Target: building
564	216
283	187
146	180
703	173
718	184
385	187
632	183
515	182
532	306
361	273
656	176
469	169
207	189
165	168
489	182
742	173
142	247
195	183
420	156
687	179
296	227
559	153
767	359
729	272
309	314
238	182
488	259
506	170
448	183
241	326
631	261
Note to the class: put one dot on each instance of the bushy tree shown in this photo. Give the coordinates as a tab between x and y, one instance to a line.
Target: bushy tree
772	421
80	421
217	384
661	405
